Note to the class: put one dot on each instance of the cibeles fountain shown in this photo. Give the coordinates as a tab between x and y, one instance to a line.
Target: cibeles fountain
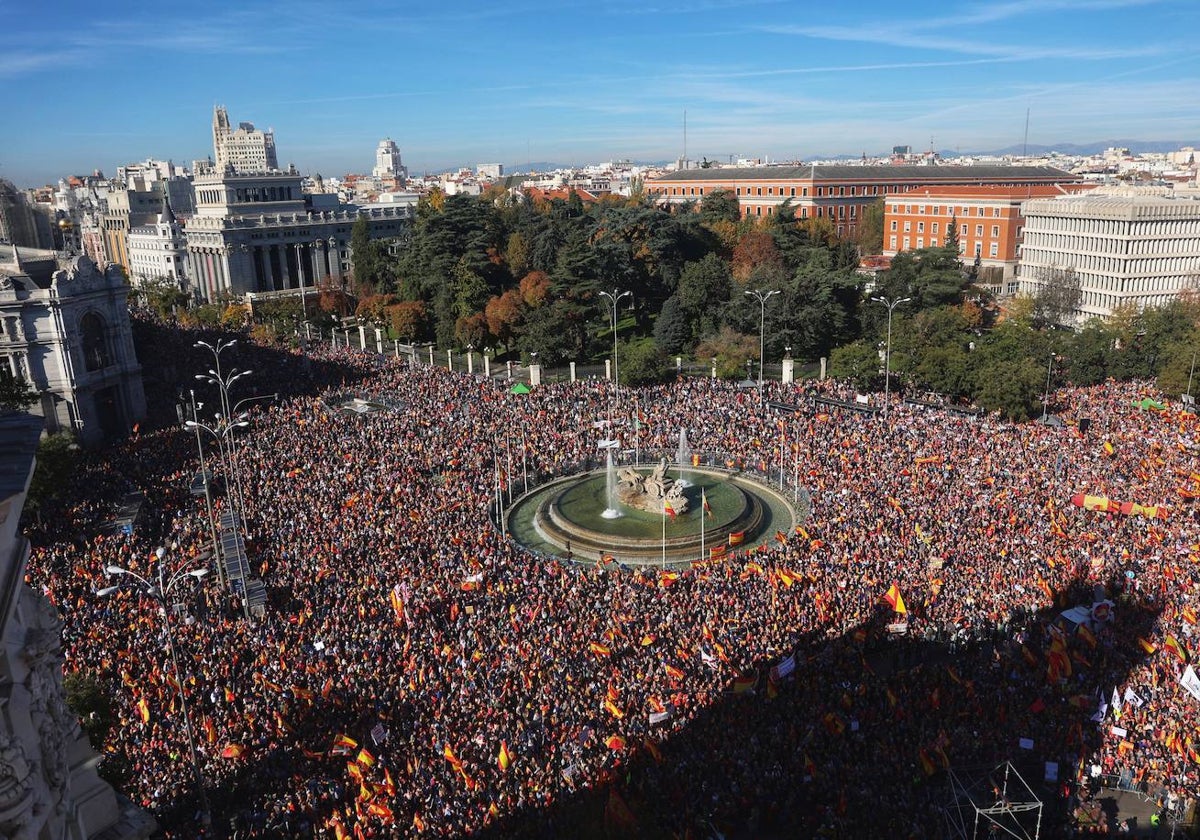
650	514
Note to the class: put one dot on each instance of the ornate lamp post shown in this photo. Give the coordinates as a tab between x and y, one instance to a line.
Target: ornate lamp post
887	352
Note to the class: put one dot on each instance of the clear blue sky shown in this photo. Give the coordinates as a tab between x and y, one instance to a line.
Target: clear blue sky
93	85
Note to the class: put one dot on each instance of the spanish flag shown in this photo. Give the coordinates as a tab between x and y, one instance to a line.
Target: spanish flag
667	509
613	709
704	504
1188	615
448	754
648	639
895	600
143	709
1147	645
673	672
210	731
599	649
737	538
615	742
1087	635
344	742
780	537
418	823
716	552
365	758
1172	644
745	683
695	460
233	751
397	603
505	757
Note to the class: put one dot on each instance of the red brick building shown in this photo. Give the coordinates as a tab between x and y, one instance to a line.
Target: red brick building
840	193
988	218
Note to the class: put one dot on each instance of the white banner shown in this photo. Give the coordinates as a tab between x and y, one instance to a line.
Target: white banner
659	717
784	668
1132	699
1190	681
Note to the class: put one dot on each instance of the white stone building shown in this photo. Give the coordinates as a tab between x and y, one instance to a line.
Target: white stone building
158	250
388	165
245	149
260	233
1127	245
65	331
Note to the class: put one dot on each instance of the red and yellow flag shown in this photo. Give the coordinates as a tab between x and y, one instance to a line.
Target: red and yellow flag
615	742
505	757
233	751
705	505
667	509
143	709
895	600
1147	645
737	538
599	649
1172	644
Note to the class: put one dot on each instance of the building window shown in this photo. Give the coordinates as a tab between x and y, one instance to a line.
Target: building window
793	191
994	249
907	243
804	191
893	224
964	230
920	227
933	228
907	227
995	230
893	242
95	347
920	241
841	190
979	230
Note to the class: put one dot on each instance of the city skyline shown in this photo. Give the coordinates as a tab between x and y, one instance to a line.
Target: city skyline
545	81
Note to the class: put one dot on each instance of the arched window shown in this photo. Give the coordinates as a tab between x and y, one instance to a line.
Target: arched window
95	347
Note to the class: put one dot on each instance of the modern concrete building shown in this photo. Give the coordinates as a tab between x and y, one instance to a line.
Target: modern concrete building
49	789
158	250
66	332
839	193
258	232
1126	245
244	149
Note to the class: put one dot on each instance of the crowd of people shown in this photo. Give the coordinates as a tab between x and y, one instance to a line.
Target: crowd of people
417	674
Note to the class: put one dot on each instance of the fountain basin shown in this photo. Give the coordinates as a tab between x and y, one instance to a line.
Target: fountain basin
566	518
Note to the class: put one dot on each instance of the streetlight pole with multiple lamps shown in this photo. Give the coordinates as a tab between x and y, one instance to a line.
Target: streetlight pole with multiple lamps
762	296
887	350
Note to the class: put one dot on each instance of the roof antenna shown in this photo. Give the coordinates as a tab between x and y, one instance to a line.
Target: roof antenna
1025	144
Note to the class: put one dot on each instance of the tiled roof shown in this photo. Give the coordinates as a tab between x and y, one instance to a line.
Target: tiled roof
962	174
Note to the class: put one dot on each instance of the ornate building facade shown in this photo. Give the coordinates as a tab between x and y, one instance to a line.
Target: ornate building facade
244	149
65	331
158	250
49	789
258	232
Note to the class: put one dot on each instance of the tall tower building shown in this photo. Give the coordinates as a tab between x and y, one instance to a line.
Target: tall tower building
387	162
245	149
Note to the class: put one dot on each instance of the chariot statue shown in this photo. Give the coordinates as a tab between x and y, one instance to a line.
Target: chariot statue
648	492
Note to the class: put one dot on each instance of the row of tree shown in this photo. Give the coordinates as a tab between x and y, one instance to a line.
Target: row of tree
520	275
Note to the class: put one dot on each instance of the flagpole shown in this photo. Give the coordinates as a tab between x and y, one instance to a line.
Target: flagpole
703	513
664	538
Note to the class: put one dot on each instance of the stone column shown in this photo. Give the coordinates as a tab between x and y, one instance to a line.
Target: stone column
470	362
379	341
535	375
449	360
487	366
608	369
823	368
789	370
284	267
264	259
572	366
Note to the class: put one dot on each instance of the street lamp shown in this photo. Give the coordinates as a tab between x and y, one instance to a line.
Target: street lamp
887	351
762	297
159	593
1046	393
614	297
207	493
